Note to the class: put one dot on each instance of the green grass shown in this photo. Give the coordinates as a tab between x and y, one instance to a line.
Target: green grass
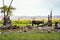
25	22
30	36
21	24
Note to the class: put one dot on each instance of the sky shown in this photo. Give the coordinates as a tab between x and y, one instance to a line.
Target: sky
34	7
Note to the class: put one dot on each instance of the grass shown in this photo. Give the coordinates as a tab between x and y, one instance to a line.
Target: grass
32	35
29	36
27	22
22	24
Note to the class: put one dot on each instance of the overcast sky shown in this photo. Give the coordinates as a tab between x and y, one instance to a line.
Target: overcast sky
34	7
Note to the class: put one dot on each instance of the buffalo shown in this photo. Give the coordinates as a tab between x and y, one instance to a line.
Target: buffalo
37	22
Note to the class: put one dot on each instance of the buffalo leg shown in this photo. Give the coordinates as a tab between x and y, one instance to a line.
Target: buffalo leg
32	25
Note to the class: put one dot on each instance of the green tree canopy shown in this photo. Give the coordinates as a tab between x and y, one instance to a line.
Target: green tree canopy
7	9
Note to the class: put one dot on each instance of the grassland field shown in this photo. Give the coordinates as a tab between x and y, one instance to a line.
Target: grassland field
24	22
31	35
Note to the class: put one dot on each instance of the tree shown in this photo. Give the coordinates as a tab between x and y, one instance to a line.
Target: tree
7	10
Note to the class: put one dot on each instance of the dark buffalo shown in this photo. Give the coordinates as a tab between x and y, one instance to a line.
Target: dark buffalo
57	26
37	22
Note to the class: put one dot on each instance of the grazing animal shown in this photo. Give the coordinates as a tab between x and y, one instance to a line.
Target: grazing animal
57	26
37	22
